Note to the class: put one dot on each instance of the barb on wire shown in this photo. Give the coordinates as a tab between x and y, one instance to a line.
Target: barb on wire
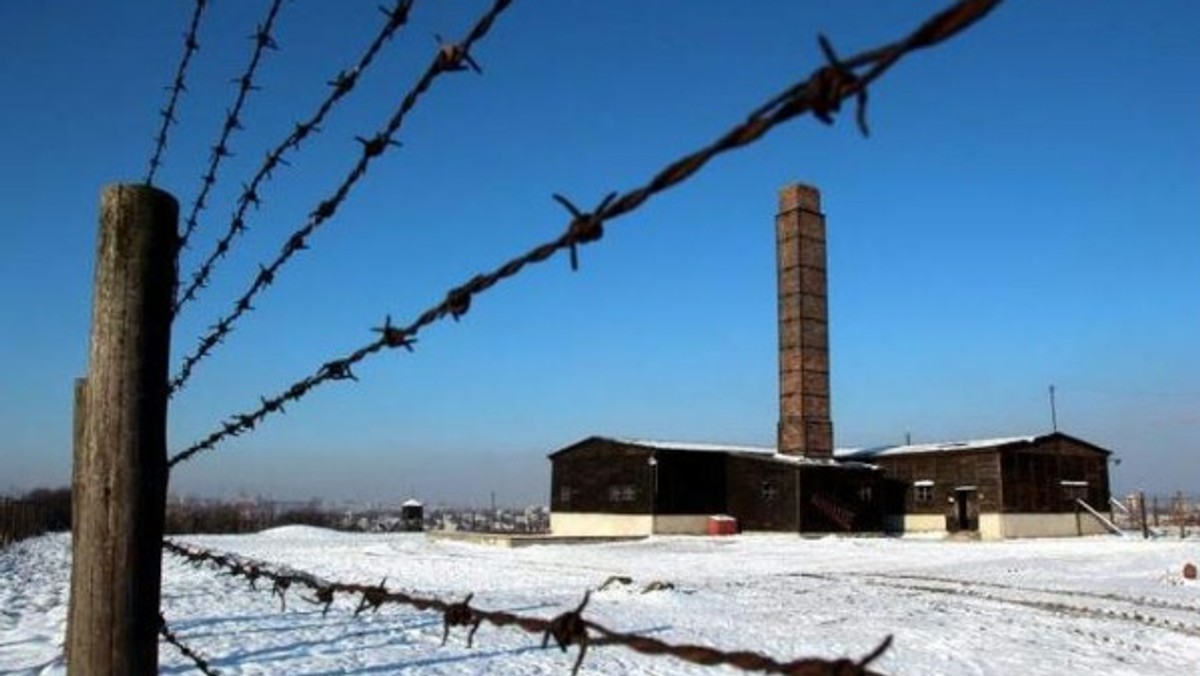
824	90
449	59
568	629
263	41
169	636
190	45
340	86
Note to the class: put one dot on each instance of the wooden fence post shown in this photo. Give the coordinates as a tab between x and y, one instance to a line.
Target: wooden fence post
1142	509
120	471
80	415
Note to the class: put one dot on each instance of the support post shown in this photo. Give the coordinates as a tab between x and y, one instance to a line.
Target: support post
80	415
1179	514
120	471
1142	509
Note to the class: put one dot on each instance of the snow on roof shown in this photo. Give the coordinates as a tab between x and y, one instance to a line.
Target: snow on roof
690	446
937	447
411	503
764	452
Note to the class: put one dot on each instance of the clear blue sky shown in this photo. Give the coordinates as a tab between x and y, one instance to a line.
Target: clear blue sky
1026	212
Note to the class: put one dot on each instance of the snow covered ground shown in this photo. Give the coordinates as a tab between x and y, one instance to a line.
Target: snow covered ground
1079	606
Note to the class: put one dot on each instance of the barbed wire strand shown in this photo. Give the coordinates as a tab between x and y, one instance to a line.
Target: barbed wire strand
450	58
340	86
822	94
191	44
567	629
169	636
263	41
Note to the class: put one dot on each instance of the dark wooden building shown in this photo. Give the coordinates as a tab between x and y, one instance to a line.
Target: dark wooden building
412	516
1035	486
1014	487
604	486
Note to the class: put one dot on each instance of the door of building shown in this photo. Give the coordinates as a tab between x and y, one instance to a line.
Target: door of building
966	511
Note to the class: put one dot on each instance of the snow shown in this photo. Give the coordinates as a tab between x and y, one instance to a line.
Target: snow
1100	605
697	447
935	447
764	452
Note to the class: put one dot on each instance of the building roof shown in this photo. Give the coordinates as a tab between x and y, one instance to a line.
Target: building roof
841	456
411	503
691	446
934	447
755	452
965	445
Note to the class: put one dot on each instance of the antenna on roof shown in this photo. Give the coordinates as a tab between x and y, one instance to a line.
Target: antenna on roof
907	438
1053	410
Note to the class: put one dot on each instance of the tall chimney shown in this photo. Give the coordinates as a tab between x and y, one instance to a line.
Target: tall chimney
805	427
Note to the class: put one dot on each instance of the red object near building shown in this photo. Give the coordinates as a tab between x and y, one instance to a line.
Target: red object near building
722	525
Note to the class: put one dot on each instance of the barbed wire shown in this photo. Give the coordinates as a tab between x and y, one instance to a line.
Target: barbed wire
340	86
822	94
263	41
450	58
568	629
169	636
190	45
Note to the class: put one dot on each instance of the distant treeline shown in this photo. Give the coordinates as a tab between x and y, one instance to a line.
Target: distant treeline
41	510
46	510
237	517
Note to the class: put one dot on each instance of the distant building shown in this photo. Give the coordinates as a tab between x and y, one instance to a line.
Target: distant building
1031	486
412	516
1013	487
602	486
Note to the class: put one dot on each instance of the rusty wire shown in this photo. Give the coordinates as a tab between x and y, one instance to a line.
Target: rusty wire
263	41
450	58
177	88
568	629
169	636
341	85
822	94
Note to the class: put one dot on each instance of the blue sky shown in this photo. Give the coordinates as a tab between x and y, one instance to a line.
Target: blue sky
1026	212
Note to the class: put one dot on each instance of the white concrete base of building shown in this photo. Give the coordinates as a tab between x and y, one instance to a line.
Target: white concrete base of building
997	526
1058	524
584	524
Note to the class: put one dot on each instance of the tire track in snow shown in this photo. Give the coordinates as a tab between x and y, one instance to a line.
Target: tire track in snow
1026	597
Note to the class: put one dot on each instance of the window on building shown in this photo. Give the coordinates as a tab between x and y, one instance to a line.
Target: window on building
865	494
622	493
1074	490
564	495
768	491
923	492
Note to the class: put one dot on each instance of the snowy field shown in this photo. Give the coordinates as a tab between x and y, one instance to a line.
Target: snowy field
1079	606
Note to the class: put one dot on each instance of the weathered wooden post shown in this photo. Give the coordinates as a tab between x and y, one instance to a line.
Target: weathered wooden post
1142	509
80	415
120	472
1179	514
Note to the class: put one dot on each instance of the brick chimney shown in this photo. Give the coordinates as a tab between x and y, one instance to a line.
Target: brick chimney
805	427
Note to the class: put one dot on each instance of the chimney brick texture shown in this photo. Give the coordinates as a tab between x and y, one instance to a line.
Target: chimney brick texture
805	427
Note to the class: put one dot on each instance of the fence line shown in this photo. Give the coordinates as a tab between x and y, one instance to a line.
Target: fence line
341	85
822	94
450	57
169	636
190	45
568	629
263	41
